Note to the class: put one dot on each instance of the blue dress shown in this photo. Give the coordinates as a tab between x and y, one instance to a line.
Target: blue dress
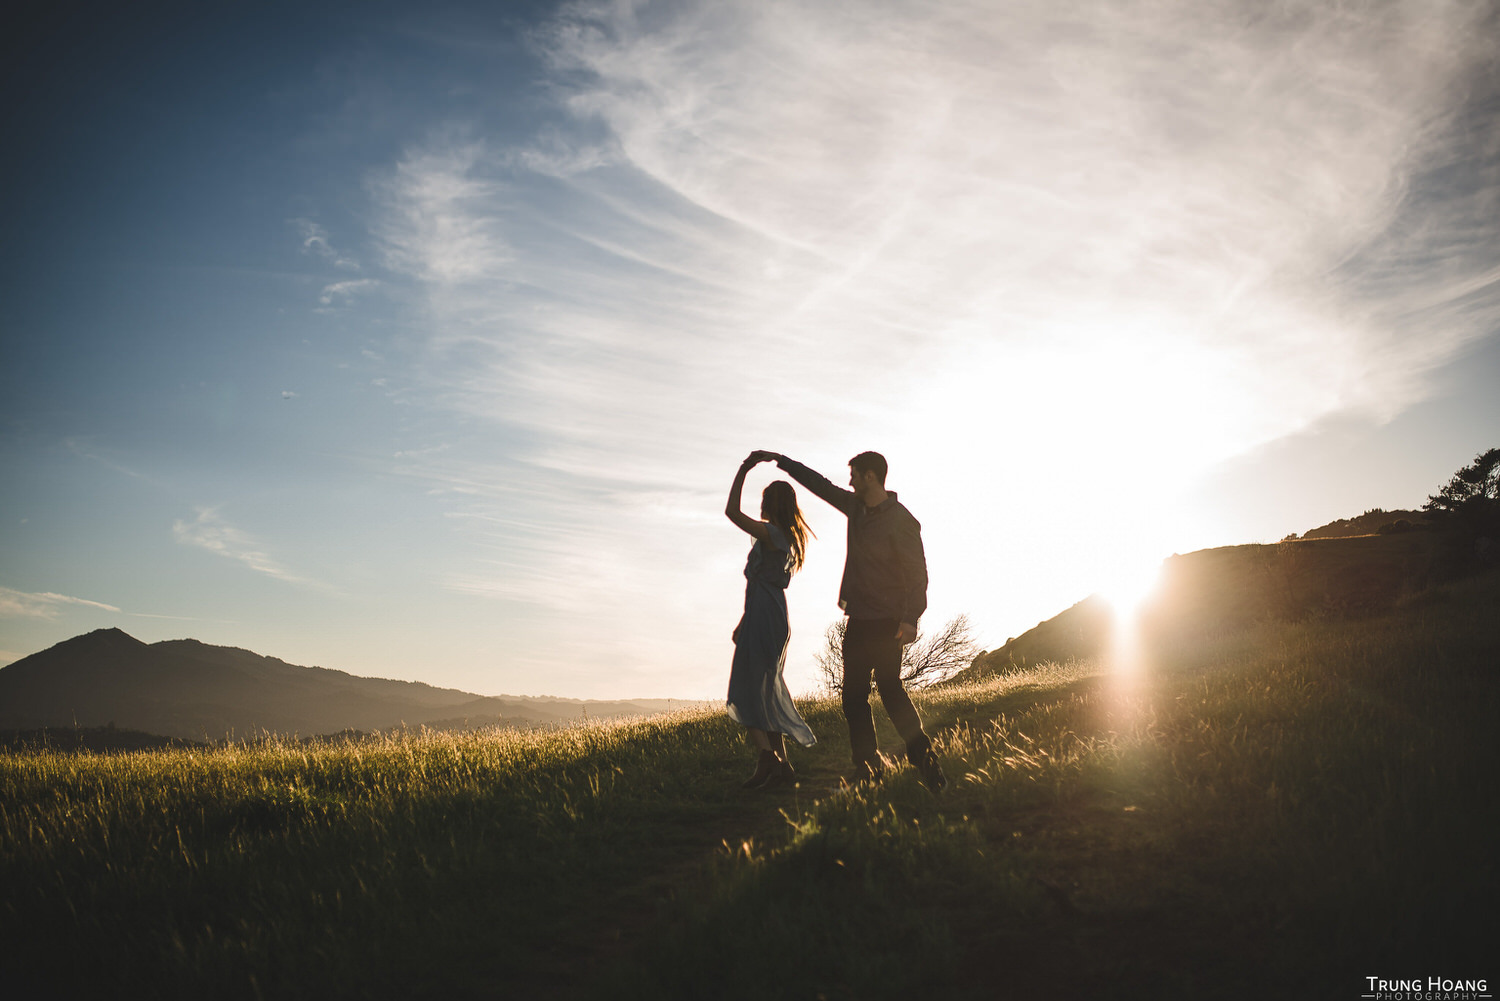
758	696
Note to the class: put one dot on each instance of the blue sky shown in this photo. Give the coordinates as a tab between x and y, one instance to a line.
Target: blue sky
422	340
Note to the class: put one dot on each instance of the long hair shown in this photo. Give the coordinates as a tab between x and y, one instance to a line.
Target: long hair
778	505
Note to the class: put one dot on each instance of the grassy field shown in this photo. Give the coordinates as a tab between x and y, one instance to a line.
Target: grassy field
1282	808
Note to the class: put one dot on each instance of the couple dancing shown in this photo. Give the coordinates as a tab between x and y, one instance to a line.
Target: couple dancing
883	593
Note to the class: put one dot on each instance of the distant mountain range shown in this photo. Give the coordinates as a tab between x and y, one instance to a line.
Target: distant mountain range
191	690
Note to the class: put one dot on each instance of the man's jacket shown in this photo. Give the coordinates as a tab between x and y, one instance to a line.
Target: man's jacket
885	569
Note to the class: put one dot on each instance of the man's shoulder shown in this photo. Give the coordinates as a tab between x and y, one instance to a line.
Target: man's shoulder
899	511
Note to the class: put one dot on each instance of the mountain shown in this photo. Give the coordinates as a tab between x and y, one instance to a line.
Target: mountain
191	690
1232	585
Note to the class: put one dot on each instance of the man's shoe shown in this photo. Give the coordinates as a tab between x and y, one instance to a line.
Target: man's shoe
785	776
870	771
921	755
788	776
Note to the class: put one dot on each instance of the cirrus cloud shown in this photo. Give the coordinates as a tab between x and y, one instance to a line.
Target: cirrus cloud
43	605
208	530
1153	235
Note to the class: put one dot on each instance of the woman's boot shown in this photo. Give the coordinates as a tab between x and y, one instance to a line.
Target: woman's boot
767	767
785	774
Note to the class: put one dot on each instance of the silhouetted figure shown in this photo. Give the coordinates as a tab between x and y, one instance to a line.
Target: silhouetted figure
758	695
884	592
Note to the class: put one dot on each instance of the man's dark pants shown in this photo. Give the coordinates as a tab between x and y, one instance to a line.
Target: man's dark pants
871	647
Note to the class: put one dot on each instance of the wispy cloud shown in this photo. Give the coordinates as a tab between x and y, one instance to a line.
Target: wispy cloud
208	530
86	449
439	213
1029	235
43	605
315	243
1228	190
343	293
936	176
47	605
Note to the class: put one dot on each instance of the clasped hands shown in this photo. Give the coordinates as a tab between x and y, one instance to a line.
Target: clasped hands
758	456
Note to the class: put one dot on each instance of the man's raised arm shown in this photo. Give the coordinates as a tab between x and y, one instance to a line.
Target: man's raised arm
816	482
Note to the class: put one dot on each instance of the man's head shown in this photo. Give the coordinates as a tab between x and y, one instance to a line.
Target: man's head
867	475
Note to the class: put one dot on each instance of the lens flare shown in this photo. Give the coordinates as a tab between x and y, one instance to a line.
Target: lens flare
1130	587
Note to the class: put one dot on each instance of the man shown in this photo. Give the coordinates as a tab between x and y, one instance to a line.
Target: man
884	592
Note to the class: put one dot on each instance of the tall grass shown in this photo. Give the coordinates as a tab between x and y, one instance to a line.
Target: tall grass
431	864
1286	807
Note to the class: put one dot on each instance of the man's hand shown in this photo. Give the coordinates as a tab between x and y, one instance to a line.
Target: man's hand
907	633
761	455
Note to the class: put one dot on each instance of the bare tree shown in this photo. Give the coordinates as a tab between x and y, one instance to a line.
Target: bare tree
940	655
932	658
830	659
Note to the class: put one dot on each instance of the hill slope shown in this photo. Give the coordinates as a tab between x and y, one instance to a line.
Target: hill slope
188	689
1375	521
1233	585
1278	811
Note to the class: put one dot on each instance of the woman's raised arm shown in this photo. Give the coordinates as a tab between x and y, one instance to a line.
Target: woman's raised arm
732	511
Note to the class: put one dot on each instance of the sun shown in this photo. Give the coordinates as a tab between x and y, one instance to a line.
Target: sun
1127	590
1129	585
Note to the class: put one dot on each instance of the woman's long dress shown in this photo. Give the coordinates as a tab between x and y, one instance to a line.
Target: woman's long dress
758	696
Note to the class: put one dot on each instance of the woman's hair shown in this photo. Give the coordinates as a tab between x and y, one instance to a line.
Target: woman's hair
779	506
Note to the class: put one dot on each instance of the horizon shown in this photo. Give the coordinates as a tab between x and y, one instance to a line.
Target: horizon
422	341
362	677
1126	599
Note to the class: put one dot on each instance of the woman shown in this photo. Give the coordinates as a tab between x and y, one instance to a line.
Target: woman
758	696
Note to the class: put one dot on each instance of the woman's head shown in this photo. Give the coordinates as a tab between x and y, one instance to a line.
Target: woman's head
778	505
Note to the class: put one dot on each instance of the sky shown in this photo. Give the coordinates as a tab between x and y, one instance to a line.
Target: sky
423	340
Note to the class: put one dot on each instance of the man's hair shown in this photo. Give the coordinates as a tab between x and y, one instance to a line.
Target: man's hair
869	462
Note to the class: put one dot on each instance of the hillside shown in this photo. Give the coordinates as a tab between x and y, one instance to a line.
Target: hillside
1373	522
1235	585
191	690
1276	811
